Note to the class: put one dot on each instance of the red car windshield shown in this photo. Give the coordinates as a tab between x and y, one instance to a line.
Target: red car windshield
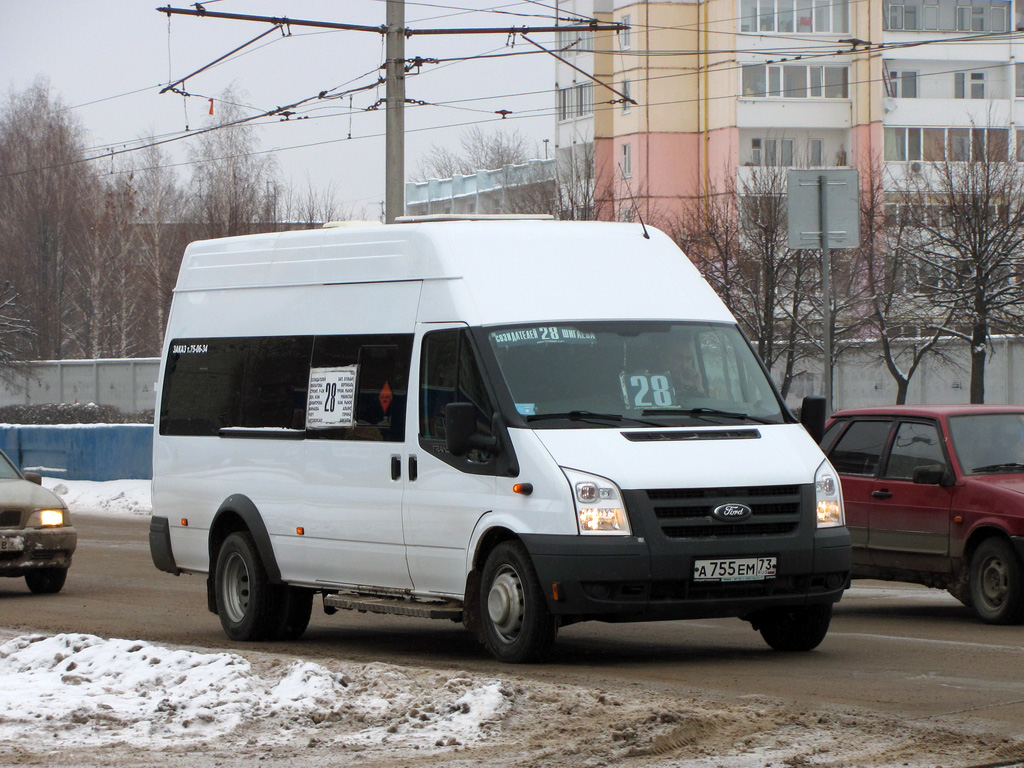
989	443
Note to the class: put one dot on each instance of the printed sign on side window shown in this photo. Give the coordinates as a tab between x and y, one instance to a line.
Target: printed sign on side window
332	397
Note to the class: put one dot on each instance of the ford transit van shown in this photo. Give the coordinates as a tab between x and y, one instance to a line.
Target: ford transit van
516	424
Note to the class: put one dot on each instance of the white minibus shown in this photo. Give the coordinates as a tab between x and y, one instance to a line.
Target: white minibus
518	424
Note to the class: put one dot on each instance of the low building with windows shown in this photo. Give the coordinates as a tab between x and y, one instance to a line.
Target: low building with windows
512	188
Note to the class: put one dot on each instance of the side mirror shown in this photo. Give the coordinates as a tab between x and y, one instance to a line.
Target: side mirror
812	416
931	474
460	430
33	477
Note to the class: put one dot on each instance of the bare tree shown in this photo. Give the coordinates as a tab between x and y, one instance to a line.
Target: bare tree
106	296
235	190
900	316
315	207
161	239
480	151
44	192
14	329
966	231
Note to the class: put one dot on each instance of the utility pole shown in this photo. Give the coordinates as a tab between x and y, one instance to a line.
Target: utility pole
394	141
395	33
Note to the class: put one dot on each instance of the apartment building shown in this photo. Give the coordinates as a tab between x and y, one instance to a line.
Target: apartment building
699	93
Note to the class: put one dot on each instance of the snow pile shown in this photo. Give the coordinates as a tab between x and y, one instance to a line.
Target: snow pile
113	498
87	691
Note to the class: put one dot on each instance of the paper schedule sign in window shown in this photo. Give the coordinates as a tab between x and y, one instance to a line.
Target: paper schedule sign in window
332	397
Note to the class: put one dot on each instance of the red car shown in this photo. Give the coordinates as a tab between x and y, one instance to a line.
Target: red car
935	495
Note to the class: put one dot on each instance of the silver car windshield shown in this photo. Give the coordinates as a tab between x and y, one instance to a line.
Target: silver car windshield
7	470
648	372
989	443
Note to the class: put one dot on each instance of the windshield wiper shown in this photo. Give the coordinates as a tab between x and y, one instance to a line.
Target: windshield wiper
588	416
999	467
575	416
705	413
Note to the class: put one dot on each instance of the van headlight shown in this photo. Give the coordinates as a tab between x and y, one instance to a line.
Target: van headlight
828	497
599	507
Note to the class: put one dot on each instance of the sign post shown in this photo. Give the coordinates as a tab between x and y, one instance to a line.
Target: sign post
824	212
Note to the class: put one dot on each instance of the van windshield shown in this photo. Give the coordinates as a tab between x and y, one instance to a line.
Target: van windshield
630	372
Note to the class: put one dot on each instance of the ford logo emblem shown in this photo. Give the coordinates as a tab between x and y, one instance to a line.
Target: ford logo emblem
732	512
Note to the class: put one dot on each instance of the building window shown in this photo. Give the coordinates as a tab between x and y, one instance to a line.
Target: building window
626	163
902	144
627	97
771	152
1019	72
903	85
947	15
625	37
788	16
794	81
969	85
584	99
575	101
936	145
816	153
573	40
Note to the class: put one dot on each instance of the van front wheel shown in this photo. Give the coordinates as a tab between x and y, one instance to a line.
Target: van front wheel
245	599
517	626
794	629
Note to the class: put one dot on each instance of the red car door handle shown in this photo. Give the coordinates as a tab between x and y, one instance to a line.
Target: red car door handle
881	495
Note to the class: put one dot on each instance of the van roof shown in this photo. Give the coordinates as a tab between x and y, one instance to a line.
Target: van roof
504	270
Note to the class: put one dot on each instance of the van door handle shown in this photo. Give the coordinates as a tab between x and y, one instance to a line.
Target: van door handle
881	494
413	469
396	467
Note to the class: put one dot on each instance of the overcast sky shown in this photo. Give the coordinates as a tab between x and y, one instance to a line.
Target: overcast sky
109	60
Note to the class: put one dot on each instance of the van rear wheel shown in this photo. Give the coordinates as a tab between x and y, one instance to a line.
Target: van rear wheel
245	598
517	626
294	607
794	629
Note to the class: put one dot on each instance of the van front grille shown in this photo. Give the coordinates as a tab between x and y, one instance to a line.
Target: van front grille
686	513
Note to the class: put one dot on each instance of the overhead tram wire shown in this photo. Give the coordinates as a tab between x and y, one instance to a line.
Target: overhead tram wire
984	37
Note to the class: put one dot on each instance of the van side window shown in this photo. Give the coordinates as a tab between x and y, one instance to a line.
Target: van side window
381	364
253	383
449	373
276	378
203	385
859	450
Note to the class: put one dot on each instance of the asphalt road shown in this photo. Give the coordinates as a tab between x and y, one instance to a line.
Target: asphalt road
899	649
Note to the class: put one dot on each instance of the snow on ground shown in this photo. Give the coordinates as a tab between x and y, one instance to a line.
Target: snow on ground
113	498
80	700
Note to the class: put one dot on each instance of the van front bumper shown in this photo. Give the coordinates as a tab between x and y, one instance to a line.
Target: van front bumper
627	579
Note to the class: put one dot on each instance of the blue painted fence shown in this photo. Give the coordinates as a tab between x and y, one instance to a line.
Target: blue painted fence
82	451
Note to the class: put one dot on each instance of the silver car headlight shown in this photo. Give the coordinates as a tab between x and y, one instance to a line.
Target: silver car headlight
46	518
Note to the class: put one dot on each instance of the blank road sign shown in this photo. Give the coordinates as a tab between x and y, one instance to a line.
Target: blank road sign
842	207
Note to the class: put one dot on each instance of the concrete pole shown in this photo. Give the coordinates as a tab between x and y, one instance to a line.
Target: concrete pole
394	152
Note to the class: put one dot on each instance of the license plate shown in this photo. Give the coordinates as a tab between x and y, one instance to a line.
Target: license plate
12	544
735	569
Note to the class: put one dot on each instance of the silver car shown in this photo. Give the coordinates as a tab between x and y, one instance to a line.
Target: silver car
37	539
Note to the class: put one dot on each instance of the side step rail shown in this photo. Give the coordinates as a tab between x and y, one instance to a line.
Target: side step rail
398	606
